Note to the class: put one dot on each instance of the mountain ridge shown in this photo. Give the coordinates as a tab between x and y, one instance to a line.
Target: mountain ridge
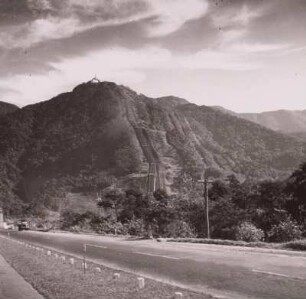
101	134
286	121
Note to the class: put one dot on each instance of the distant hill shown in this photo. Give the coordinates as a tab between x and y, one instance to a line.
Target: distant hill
6	108
285	121
282	120
103	134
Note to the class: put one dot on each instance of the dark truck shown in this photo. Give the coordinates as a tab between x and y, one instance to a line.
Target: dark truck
23	225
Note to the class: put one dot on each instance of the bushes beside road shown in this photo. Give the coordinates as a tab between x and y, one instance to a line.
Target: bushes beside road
296	245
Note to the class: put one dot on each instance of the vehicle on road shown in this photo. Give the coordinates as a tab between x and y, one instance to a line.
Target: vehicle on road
23	225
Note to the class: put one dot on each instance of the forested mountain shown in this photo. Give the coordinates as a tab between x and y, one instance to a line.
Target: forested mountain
102	134
282	120
286	121
6	108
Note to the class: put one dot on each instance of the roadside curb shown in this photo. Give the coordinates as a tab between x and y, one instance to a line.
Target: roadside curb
13	285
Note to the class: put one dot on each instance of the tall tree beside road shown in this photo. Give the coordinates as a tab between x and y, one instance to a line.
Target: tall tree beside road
296	187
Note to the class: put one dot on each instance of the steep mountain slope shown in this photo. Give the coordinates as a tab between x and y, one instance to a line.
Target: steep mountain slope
6	108
102	134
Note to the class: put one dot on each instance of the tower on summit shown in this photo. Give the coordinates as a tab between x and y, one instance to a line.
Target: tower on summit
95	80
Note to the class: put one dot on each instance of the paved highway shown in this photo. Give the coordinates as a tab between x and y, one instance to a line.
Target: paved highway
228	272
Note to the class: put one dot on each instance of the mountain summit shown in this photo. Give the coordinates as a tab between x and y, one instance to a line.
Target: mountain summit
102	133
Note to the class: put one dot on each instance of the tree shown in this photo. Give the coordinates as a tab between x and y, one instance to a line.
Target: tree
160	213
268	204
218	190
112	200
296	188
133	205
225	216
238	192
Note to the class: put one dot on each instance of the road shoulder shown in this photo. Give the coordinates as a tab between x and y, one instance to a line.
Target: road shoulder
13	286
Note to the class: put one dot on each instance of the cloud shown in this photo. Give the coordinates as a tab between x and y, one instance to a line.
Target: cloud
256	47
167	15
121	65
66	20
234	22
239	17
71	17
8	90
148	58
39	5
173	14
232	35
40	30
292	51
218	60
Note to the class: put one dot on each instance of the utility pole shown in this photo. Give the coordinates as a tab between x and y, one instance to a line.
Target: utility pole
205	183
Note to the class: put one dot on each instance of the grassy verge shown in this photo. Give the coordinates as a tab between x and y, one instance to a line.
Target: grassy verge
294	245
55	279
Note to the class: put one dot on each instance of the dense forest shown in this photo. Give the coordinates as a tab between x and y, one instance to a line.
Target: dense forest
269	210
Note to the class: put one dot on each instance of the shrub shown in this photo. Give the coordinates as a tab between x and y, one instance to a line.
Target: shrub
70	219
248	232
111	227
296	245
285	231
179	229
135	227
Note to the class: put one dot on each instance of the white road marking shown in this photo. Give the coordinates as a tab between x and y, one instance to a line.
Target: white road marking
277	274
98	246
158	255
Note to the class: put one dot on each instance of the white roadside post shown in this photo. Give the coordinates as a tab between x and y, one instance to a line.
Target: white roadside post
84	259
49	252
178	295
116	276
141	282
71	261
84	265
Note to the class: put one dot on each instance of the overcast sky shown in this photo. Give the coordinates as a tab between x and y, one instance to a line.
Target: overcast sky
245	55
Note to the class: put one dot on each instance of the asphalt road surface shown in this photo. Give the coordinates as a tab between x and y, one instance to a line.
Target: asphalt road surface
224	271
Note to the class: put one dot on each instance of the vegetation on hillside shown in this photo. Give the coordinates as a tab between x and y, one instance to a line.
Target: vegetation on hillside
85	141
272	211
6	108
